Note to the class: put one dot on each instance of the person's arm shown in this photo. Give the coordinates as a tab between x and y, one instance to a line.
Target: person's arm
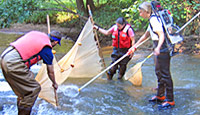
103	31
133	43
160	42
133	40
47	56
50	72
144	37
132	36
157	28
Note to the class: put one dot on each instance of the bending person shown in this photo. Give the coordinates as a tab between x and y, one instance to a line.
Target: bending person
17	59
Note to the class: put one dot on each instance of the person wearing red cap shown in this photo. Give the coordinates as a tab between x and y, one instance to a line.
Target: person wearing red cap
17	59
162	55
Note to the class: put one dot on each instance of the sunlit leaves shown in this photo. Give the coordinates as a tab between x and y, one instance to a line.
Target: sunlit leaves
132	15
181	10
14	11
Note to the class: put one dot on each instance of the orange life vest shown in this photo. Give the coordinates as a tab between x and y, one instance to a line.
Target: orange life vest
122	40
31	44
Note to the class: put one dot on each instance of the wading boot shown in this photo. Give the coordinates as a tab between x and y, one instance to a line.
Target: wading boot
157	99
166	105
120	77
24	110
110	76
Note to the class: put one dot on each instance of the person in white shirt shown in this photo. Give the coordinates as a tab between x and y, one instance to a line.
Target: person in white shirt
162	55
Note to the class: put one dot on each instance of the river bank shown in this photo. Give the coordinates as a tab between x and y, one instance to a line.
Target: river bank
190	45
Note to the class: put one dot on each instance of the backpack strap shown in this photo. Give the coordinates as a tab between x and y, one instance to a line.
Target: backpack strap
160	22
166	41
127	28
115	27
152	29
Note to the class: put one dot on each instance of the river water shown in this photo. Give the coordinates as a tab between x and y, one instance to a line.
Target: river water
118	97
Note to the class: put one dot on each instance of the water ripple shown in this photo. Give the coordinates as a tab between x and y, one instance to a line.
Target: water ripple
69	90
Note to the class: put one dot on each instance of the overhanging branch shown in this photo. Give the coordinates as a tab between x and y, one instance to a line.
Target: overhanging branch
68	10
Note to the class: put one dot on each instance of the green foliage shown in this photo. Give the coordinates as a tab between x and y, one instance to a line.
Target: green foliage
14	11
132	15
28	11
107	15
178	12
181	12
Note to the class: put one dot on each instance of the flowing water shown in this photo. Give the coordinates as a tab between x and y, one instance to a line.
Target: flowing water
117	97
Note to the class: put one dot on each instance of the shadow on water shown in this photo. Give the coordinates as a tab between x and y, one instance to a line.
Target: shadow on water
117	97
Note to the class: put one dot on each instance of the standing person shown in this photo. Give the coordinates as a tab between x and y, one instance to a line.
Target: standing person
162	56
123	39
17	59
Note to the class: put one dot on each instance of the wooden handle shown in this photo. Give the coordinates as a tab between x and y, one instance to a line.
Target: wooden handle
56	98
48	24
97	39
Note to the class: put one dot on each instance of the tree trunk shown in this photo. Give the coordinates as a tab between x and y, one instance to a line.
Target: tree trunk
80	6
91	4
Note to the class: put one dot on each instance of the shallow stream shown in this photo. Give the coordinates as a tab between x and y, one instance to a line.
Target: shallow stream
117	97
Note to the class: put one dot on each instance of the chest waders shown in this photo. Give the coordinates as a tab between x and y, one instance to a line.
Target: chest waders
162	65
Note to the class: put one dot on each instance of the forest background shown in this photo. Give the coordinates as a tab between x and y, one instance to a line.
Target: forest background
73	14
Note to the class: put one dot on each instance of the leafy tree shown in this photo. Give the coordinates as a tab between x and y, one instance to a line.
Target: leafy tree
80	6
14	11
83	8
182	11
105	12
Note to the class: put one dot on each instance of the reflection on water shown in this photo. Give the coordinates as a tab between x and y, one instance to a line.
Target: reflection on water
116	97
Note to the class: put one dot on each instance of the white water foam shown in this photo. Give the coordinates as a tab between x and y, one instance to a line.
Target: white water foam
69	90
1	76
4	86
9	110
35	68
9	96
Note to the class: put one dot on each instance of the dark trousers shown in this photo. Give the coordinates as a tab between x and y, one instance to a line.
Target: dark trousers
20	78
116	54
162	69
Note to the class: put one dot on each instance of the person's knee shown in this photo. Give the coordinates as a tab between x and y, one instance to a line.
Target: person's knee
158	73
123	66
